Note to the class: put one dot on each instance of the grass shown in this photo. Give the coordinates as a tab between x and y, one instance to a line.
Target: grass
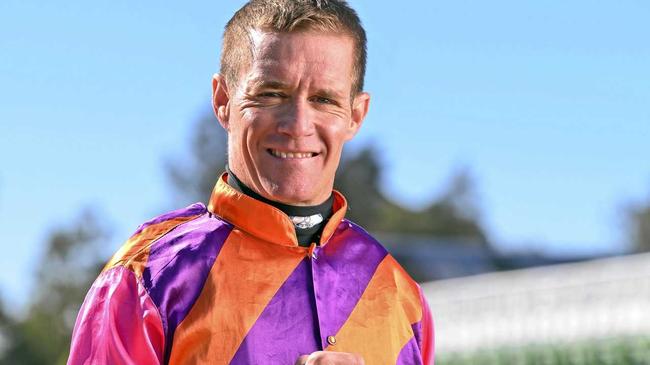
617	351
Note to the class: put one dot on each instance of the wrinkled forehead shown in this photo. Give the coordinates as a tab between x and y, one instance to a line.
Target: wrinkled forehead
326	57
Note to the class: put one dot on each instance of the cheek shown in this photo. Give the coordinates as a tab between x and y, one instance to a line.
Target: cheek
238	143
253	132
337	137
256	122
246	115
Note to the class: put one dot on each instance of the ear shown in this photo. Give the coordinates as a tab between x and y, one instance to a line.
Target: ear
221	100
360	106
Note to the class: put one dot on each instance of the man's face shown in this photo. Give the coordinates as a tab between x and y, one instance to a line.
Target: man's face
290	115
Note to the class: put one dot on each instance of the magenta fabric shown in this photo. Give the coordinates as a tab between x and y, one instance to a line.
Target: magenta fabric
287	328
339	279
110	332
178	266
425	334
428	334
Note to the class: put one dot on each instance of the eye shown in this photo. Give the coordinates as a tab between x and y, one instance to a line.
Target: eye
322	100
270	94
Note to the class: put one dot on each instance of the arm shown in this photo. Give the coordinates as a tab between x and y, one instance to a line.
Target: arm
427	346
118	323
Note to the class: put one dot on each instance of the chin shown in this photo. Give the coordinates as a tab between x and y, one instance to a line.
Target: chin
294	194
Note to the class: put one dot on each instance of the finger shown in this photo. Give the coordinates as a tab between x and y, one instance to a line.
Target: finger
302	360
333	358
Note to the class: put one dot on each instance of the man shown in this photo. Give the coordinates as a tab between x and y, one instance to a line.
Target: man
270	272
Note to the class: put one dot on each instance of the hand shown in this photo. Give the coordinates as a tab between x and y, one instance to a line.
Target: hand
330	358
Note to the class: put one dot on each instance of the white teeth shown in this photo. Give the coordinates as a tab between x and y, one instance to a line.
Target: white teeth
279	154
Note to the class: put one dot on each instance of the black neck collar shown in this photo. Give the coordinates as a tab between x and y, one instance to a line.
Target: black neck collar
305	235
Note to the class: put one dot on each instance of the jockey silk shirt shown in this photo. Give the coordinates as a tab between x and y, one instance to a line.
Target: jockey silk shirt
229	284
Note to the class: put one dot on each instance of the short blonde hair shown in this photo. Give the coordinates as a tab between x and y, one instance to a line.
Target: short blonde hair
285	16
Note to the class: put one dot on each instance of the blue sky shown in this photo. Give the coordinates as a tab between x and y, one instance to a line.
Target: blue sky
546	102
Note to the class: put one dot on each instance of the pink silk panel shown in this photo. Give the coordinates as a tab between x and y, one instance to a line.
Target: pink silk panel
118	323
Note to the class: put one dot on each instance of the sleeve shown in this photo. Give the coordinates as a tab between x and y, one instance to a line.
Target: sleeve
118	323
428	336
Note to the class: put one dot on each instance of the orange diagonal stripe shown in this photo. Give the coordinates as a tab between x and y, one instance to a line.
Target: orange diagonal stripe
242	281
379	326
135	252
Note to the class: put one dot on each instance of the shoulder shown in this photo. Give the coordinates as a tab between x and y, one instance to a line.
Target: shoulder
171	257
150	284
363	264
354	237
357	242
392	282
160	240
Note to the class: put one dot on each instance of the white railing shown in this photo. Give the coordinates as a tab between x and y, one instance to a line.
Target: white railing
598	299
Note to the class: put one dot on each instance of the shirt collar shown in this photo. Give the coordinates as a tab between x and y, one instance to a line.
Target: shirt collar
263	220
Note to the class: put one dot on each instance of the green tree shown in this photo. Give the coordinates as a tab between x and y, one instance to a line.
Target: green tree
358	179
193	178
71	261
7	326
454	214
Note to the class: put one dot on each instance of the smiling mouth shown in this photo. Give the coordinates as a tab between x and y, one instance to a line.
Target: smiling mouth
293	155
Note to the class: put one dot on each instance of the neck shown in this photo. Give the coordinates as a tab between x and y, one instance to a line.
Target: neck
309	221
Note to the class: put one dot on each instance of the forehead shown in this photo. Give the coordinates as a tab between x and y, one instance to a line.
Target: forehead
323	57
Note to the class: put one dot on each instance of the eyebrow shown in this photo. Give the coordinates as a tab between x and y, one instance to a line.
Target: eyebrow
266	84
257	84
330	94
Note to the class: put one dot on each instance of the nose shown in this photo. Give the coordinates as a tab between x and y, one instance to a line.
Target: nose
296	120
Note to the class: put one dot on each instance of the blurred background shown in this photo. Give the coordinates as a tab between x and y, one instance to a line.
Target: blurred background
501	162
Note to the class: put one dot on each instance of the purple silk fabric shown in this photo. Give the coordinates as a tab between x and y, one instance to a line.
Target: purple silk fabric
417	332
410	354
178	266
342	270
287	328
194	209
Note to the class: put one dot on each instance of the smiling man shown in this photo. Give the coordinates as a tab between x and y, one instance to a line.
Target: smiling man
270	272
290	113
